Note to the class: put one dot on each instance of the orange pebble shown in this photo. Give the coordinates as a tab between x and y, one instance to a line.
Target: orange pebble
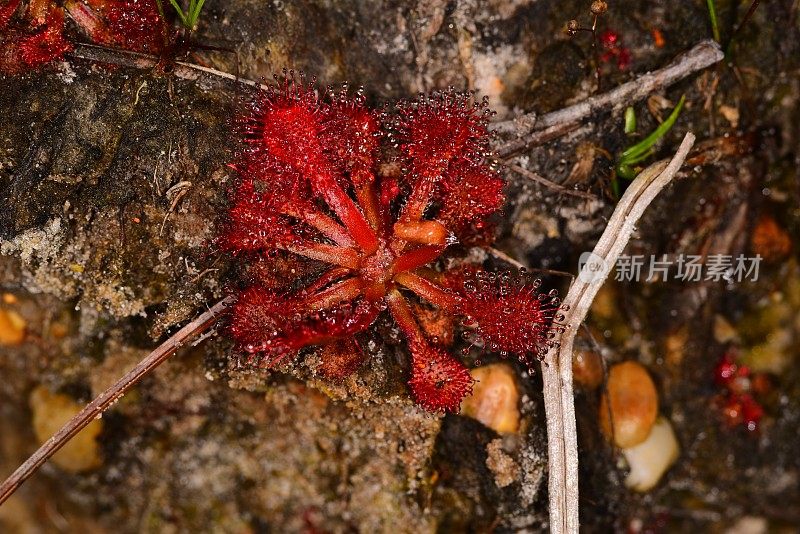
587	368
629	404
658	38
12	328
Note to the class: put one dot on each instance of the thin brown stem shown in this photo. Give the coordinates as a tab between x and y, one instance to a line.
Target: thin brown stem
747	17
184	70
100	404
500	255
530	175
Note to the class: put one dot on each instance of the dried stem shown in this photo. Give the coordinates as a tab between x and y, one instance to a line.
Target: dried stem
562	443
530	175
181	69
95	408
529	129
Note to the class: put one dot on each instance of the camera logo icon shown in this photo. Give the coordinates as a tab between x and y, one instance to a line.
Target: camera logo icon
591	267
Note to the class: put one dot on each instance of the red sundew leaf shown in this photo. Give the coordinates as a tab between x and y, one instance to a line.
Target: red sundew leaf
437	129
252	228
469	194
350	137
137	25
130	24
508	313
275	187
265	322
438	380
285	123
24	49
7	11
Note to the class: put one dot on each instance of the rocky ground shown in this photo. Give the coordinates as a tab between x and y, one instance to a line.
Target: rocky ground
113	182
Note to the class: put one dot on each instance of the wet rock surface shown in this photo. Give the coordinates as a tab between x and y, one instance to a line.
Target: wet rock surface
113	181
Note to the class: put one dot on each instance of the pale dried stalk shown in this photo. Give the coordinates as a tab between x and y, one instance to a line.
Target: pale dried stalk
103	401
531	129
562	442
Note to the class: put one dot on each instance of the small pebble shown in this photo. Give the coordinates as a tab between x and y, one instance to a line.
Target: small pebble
587	368
495	398
50	412
12	328
649	460
770	240
629	405
501	464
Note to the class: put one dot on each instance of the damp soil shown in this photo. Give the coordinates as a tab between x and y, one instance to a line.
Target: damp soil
113	181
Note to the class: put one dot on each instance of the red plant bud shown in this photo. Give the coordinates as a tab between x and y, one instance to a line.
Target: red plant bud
609	39
752	412
285	124
725	371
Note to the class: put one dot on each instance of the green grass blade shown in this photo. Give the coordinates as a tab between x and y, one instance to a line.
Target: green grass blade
712	15
179	11
630	120
647	143
195	13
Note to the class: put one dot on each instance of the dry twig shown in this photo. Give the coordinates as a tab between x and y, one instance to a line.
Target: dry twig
103	401
181	69
531	131
530	175
562	443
